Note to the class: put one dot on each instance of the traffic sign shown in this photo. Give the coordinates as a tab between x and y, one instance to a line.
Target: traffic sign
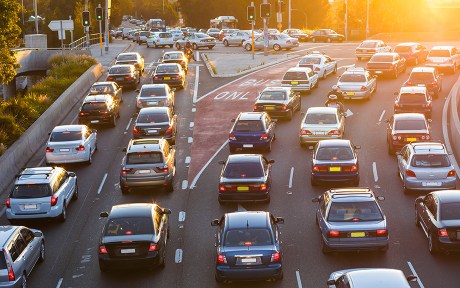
55	25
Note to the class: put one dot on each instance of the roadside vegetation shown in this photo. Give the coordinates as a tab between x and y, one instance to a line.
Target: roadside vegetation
20	112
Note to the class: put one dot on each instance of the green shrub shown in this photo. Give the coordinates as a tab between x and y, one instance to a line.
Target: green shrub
9	129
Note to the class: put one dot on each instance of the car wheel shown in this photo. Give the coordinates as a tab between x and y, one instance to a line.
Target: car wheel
24	280
178	46
147	44
248	47
90	158
405	189
194	46
417	219
41	257
267	201
170	186
225	43
218	279
335	70
276	47
299	106
433	245
75	194
63	215
391	151
114	121
324	248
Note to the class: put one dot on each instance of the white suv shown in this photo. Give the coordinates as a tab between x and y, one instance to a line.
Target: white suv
443	57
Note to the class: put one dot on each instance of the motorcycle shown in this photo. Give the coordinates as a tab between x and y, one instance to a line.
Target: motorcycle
189	54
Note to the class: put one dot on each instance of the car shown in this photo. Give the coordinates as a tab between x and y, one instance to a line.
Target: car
273	31
350	219
213	32
413	99
386	63
297	33
252	130
109	87
357	83
443	57
367	48
278	102
425	166
142	37
133	58
169	73
134	235
156	122
22	249
160	39
176	57
319	63
275	42
148	163
155	95
226	31
125	33
119	32
414	53
428	76
238	37
300	79
321	123
197	40
133	35
99	109
41	193
326	35
245	178
370	277
176	35
405	128
71	144
335	161
437	213
248	246
124	75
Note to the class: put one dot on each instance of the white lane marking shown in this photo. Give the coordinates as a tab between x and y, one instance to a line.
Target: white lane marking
41	161
181	216
192	124
129	124
74	120
415	274
178	257
198	55
193	109
374	170
348	113
192	185
195	86
59	283
184	184
290	177
241	208
188	159
297	276
102	184
381	116
76	276
190	139
346	66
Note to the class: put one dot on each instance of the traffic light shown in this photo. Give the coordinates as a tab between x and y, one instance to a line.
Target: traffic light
265	10
251	13
85	16
99	13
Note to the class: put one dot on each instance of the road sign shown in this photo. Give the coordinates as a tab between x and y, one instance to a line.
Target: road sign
55	25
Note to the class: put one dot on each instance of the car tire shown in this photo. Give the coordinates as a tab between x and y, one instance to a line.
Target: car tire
170	186
147	44
124	190
178	46
218	279
299	106
225	43
63	215
289	115
433	245
75	194
326	250
194	46
417	219
267	201
405	189
276	47
41	257
90	158
391	151
248	47
154	45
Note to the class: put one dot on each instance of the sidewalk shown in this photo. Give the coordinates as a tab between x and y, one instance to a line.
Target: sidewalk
107	57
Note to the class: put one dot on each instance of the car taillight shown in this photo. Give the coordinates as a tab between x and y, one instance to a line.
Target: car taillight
158	40
11	276
275	257
102	250
255	108
408	83
109	78
381	232
222	188
231	136
221	259
334	132
410	173
319	168
443	232
83	113
284	107
128	77
135	130
451	173
153	247
48	149
125	171
305	132
54	200
162	169
8	203
333	234
80	148
363	88
317	69
169	130
177	77
156	78
352	168
139	102
264	136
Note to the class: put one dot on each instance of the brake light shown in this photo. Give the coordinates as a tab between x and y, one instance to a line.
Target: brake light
317	168
263	187
102	250
54	200
305	132
128	77
49	150
221	259
264	136
135	130
125	171
363	88
275	257
333	234
451	173
80	148
381	232
153	247
109	78
352	168
408	83
11	276
156	78
443	232
284	107
158	40
317	69
255	108
231	136
139	102
410	173
8	203
83	113
169	130
288	41
334	132
222	188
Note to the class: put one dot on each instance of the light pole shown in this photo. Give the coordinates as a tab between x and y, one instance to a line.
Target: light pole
346	20
36	16
367	19
289	14
304	14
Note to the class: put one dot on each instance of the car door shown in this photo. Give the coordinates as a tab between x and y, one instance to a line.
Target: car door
22	256
426	206
32	246
403	160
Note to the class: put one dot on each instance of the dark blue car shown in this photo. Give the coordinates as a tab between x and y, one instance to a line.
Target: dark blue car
252	130
248	247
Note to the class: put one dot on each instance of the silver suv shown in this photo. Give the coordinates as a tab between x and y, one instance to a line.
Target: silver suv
41	192
22	248
148	162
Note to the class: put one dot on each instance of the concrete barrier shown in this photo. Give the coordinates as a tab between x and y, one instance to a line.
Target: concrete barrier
34	138
454	124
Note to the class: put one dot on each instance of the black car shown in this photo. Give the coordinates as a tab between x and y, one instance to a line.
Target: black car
406	128
438	213
414	53
297	33
99	109
155	95
156	122
109	87
245	177
248	247
278	102
169	73
326	35
124	75
413	99
335	161
176	57
135	235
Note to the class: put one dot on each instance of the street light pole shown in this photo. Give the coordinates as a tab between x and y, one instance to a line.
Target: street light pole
346	20
22	3
289	14
367	19
36	16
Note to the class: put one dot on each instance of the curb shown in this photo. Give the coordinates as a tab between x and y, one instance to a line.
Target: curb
451	124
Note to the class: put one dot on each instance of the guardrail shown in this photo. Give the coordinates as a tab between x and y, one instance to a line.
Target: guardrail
81	43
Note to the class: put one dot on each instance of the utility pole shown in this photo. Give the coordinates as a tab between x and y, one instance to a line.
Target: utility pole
99	18
367	19
108	4
289	14
265	14
346	20
36	16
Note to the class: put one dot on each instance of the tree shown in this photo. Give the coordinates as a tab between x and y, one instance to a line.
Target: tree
9	36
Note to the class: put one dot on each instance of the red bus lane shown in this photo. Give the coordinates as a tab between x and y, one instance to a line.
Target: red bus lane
215	110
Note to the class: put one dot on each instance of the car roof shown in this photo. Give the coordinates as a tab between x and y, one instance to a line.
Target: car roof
5	233
277	88
239	158
132	210
96	98
448	196
378	278
352	194
428	148
405	116
250	115
413	89
154	110
443	47
423	69
385	54
251	219
407	44
102	83
145	145
299	69
371	41
334	142
324	110
62	128
35	175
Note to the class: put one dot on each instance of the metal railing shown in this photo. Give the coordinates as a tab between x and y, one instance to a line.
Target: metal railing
81	44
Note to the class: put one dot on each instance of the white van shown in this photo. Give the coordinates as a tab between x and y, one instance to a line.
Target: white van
124	35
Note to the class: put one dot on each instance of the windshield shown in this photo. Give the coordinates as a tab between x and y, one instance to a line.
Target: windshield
272	95
284	36
368	44
319	118
295	76
100	89
154	91
410	125
334	153
247	237
354	212
450	211
120	70
310	60
173	56
92	106
31	191
167	69
352	78
129	226
243	170
412	98
65	136
381	58
439	53
430	160
402	49
144	158
200	35
248	126
127	57
153	118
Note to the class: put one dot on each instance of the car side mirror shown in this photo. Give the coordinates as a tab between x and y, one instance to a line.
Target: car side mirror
357	146
124	149
71	174
215	222
279	220
380	198
271	161
411	278
330	282
38	234
104	214
316	200
222	162
166	211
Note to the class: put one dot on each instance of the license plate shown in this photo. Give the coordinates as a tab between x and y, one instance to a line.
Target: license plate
248	260
378	72
357	234
242	188
30	206
166	39
64	150
248	145
127	251
411	139
335	169
269	107
432	183
152	131
294	82
350	93
119	79
320	133
209	40
152	103
144	171
167	78
94	121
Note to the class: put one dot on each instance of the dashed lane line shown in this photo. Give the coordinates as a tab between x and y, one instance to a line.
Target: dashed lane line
374	170
297	276
290	177
102	184
59	283
178	256
415	274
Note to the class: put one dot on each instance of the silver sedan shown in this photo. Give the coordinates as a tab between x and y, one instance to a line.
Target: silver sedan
198	40
238	37
275	41
357	83
321	123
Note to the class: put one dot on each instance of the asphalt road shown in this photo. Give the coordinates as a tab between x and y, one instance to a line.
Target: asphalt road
72	246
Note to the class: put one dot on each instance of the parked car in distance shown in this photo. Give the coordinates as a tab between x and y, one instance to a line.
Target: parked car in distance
134	235
321	123
367	48
108	87
278	102
357	83
319	63
300	79
297	33
155	95
443	57
386	63
198	40
275	42
248	246
427	76
326	35
405	128
41	193
124	75
414	53
99	109
133	58
370	277
156	122
413	99
169	73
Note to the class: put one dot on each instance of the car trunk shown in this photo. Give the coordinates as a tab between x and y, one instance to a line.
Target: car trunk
150	129
127	246
249	255
65	148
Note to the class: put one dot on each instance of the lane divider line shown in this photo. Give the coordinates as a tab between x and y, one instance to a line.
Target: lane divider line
192	185
59	283
190	139
184	184
181	216
290	177
188	159
178	256
381	116
195	86
102	184
297	276
374	170
129	124
415	274
192	124
193	109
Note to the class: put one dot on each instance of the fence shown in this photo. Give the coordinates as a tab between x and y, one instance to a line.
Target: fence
81	43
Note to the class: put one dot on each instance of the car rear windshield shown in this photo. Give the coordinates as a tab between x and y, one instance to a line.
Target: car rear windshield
100	89
439	53
165	35
402	49
3	265
408	98
129	57
354	212
382	58
421	76
65	136
173	56
272	95
310	60
129	226
430	160
352	78
167	69
243	170
368	45
410	125
31	191
334	153
151	92
321	119
153	118
450	211
201	35
295	76
94	106
248	237
144	158
248	126
120	70
144	33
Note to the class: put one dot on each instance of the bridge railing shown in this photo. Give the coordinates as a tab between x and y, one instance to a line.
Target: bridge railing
81	44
